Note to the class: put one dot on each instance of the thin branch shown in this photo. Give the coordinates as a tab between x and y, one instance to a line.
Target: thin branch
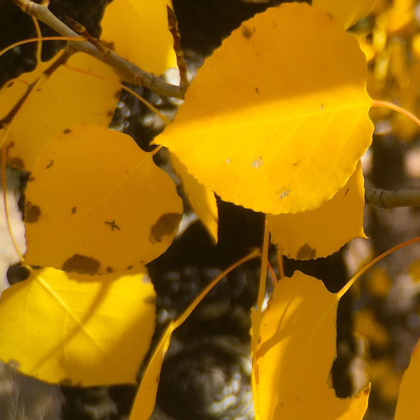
391	199
128	71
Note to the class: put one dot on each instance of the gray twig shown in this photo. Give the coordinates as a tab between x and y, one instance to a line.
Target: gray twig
128	71
391	199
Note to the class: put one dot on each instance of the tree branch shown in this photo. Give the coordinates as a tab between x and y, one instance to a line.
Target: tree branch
128	71
391	199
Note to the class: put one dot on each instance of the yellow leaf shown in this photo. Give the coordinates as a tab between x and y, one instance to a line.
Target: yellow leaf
97	204
408	405
294	353
277	118
64	99
201	199
145	401
138	30
347	12
80	330
321	232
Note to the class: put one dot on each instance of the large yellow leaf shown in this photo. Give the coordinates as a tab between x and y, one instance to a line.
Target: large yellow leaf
348	12
323	231
64	99
80	330
277	118
97	203
201	198
408	405
294	345
138	31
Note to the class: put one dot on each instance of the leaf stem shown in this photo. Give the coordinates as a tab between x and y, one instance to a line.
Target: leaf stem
341	293
264	265
187	312
281	264
397	108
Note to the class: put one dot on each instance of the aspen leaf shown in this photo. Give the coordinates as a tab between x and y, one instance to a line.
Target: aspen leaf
408	405
138	31
201	198
323	231
294	346
347	12
277	118
97	203
80	330
145	401
64	99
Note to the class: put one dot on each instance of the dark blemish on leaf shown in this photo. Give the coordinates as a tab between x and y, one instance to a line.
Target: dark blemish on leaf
66	382
284	194
16	163
50	164
330	16
31	213
297	163
130	267
73	210
165	226
246	32
321	107
348	189
31	179
10	85
109	270
151	300
306	253
113	225
67	131
82	265
257	91
110	113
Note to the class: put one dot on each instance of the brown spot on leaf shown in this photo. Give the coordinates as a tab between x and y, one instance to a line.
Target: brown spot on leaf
306	253
130	267
82	265
165	226
109	270
257	91
16	163
67	131
50	164
73	210
31	213
246	32
348	189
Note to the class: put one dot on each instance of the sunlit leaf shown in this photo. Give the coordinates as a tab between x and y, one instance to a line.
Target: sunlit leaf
321	232
145	401
96	203
348	12
408	405
277	118
64	99
295	349
138	30
201	199
80	330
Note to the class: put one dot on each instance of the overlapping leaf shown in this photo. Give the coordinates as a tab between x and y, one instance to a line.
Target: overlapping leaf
138	31
408	406
96	203
348	12
294	346
73	329
201	198
323	231
57	102
277	118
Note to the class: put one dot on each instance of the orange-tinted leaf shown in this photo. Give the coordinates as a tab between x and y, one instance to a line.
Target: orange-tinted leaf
64	99
138	30
77	329
321	232
293	354
408	405
277	118
348	12
145	401
97	203
201	199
